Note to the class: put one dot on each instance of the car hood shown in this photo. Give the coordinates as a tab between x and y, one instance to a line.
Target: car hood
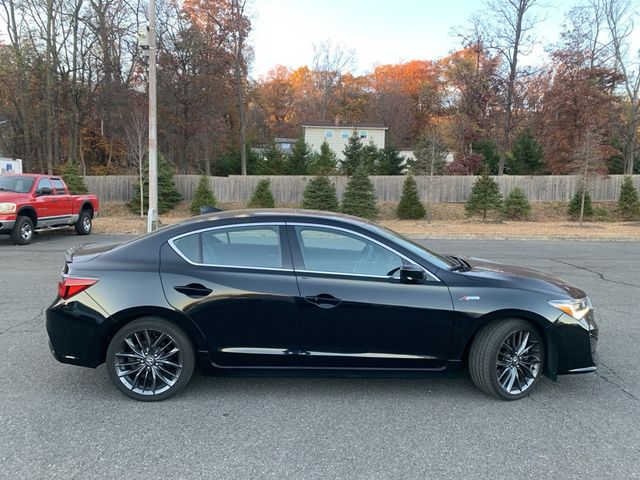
519	277
12	196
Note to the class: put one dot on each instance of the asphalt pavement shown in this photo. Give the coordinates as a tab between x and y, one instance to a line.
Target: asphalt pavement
59	421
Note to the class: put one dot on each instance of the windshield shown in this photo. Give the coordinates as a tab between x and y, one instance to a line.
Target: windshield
15	183
440	261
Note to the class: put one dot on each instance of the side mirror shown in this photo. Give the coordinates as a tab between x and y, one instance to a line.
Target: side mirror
412	274
44	191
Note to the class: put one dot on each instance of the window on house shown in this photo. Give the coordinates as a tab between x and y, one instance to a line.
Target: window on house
345	133
363	134
328	134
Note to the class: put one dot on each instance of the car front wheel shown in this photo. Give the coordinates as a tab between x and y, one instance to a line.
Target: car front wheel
506	359
150	359
22	233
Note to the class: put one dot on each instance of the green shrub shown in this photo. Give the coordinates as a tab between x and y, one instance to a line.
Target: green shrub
359	197
203	196
628	202
410	207
485	196
168	196
574	205
516	205
262	197
320	194
71	176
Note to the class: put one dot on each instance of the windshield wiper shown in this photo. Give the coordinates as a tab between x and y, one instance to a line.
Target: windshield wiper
461	266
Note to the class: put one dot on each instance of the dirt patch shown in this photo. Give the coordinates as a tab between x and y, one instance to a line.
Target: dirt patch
549	220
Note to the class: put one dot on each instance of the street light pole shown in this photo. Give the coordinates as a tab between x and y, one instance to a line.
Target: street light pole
153	127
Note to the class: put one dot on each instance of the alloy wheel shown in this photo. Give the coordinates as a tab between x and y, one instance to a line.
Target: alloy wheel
86	224
26	231
518	362
148	362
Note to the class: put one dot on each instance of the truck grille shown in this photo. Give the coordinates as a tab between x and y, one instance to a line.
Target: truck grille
594	348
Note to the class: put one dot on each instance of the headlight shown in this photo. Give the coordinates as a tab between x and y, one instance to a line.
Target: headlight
574	308
7	208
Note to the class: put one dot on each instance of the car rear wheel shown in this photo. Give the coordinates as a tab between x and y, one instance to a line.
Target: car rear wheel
506	359
150	359
22	233
83	225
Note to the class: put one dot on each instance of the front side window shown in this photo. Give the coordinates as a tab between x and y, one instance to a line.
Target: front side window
44	183
246	246
58	185
334	251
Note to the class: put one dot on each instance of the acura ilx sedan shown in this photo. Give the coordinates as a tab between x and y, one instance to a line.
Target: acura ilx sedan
254	292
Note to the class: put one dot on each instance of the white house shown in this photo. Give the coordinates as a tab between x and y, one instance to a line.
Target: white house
337	134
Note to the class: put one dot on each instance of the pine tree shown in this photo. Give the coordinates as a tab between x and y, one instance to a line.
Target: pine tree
298	161
370	157
203	196
71	176
262	196
168	196
576	202
352	152
430	157
272	161
485	196
390	161
516	205
359	197
628	202
320	194
325	162
410	207
489	151
527	157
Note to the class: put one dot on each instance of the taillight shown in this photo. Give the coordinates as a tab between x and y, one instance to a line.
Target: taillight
70	286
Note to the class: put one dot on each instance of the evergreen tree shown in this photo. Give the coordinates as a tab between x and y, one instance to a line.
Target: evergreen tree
272	161
262	196
320	194
359	197
390	162
298	161
370	157
325	162
489	151
168	196
71	176
527	157
516	205
203	196
352	154
410	207
628	202
485	196
576	202
430	157
229	163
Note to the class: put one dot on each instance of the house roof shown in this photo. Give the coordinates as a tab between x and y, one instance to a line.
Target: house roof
346	125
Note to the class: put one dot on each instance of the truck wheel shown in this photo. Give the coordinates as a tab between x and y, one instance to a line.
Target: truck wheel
22	233
83	225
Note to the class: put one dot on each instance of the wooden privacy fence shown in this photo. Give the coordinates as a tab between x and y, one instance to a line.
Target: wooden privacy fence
437	189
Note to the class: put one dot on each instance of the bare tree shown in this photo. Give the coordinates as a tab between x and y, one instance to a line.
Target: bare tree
511	35
239	32
619	16
588	162
136	139
330	62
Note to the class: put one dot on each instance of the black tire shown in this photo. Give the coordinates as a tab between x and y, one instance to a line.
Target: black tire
84	223
493	360
141	379
22	233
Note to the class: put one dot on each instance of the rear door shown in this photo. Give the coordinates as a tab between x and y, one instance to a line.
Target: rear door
355	313
237	284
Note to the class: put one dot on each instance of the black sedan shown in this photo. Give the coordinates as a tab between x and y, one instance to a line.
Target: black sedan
255	292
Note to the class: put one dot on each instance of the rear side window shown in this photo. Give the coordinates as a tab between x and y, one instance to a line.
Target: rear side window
58	185
246	246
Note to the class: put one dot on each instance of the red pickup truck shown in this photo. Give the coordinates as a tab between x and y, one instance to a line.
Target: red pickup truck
33	203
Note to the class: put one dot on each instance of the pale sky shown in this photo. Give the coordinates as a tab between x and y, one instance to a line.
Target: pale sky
380	31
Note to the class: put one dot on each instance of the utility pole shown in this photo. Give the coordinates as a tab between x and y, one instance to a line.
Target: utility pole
153	124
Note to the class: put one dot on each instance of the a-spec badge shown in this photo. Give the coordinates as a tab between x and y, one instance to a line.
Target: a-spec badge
468	298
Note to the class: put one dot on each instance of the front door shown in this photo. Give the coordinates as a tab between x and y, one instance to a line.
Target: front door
237	284
355	313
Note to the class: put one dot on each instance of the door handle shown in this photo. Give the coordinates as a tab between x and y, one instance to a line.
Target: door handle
194	290
324	300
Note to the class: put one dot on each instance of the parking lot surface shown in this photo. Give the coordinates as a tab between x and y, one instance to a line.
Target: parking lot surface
59	421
